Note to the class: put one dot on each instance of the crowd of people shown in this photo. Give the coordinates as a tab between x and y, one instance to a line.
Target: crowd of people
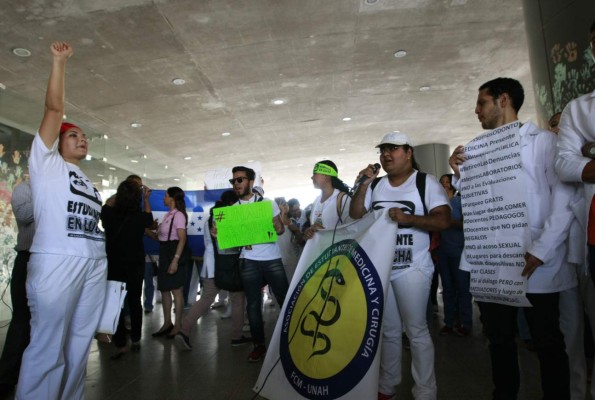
61	268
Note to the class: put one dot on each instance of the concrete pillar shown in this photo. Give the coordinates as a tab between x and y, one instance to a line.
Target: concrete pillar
561	62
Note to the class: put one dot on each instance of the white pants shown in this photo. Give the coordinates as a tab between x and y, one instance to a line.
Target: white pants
65	295
572	325
405	306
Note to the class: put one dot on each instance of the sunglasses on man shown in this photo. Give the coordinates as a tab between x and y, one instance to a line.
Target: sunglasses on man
239	179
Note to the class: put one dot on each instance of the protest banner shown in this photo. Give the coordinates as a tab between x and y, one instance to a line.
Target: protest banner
327	338
495	215
245	224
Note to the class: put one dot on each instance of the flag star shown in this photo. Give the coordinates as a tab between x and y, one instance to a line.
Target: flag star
200	217
192	224
200	229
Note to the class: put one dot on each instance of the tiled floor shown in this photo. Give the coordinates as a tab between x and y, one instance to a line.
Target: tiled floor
215	370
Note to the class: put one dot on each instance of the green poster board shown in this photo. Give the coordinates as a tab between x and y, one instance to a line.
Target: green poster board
244	224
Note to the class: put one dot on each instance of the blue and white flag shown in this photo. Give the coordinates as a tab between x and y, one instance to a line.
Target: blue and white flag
327	338
198	204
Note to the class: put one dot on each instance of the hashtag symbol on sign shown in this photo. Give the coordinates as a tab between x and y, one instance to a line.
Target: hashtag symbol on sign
220	216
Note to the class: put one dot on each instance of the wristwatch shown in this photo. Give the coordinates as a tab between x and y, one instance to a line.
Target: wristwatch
588	150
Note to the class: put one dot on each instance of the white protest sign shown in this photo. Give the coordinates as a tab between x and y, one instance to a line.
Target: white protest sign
495	215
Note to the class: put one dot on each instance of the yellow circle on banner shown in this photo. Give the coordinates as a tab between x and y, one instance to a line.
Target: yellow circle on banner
329	320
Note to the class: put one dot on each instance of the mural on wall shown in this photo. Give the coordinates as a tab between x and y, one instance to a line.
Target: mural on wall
14	152
573	76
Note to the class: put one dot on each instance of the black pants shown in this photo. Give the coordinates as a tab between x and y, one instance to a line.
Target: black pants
18	335
544	323
134	286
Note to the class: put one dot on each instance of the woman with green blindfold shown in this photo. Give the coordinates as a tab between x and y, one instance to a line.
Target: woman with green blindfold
331	208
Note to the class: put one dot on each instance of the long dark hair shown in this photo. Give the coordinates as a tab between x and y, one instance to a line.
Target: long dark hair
128	198
179	202
336	182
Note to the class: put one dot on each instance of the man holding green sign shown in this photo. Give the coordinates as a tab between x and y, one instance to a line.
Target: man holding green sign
262	258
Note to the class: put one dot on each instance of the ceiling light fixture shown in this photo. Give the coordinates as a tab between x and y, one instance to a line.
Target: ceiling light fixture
88	157
105	137
21	52
112	168
144	175
278	102
187	158
136	125
104	159
424	88
99	174
178	81
166	167
225	134
250	160
346	119
341	149
126	147
134	161
64	116
177	179
400	53
144	156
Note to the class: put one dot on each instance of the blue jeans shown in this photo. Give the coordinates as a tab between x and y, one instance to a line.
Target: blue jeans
149	286
255	275
455	290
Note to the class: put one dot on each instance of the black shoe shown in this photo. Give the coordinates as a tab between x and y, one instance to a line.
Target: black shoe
241	341
6	390
162	332
183	341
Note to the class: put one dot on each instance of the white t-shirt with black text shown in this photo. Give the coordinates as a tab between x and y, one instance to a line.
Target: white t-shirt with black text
66	206
412	249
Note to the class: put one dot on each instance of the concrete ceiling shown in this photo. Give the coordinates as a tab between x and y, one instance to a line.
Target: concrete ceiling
327	59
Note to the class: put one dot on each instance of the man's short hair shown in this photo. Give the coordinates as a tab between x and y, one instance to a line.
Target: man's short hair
514	89
134	178
293	202
250	174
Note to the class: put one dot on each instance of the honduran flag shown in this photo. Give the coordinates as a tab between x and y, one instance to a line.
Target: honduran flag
198	204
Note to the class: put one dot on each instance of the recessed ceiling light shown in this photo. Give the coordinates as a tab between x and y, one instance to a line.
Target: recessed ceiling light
112	168
21	52
341	149
225	134
178	81
104	159
144	156
177	179
136	125
2	86
160	185
126	147
183	175
424	88
105	137
105	183
187	158
400	53
99	174
134	161
250	160
278	102
88	157
347	119
144	175
166	167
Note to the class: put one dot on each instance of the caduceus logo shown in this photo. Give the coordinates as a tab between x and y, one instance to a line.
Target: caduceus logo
331	324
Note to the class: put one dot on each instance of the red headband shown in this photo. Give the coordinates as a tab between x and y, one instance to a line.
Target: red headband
66	126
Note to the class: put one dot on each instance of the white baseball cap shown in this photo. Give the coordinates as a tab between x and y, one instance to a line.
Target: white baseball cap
396	138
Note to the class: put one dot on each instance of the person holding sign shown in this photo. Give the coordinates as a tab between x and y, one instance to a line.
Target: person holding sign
331	208
543	248
262	263
418	204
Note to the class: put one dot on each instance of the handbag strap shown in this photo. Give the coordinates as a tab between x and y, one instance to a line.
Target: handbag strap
171	224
